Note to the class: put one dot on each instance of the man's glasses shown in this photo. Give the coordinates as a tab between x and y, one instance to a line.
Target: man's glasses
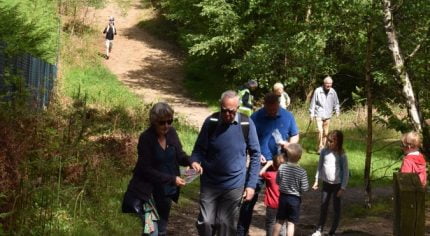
226	110
164	122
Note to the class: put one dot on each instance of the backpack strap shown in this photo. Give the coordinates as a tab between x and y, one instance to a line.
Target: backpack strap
213	123
244	123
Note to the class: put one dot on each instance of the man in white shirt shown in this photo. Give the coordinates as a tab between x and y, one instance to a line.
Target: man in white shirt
324	102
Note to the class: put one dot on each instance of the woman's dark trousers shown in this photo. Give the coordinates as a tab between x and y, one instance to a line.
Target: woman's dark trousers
329	190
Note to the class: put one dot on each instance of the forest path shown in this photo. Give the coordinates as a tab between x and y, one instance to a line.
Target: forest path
153	69
148	66
182	221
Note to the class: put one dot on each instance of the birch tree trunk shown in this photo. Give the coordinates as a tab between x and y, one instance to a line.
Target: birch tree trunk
399	63
369	103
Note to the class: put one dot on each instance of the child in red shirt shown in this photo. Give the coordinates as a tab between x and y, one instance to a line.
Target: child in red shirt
413	161
271	196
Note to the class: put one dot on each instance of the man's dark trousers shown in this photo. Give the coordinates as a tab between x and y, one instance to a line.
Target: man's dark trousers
246	211
219	210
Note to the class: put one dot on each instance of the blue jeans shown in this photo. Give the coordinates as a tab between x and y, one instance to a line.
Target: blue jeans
329	190
246	211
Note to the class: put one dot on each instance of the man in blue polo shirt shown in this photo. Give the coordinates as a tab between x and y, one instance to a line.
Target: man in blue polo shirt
220	155
276	128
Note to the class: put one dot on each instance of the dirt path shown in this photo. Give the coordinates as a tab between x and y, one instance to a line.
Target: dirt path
153	69
149	67
184	219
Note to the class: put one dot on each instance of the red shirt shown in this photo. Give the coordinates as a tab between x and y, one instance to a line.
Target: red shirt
271	197
415	163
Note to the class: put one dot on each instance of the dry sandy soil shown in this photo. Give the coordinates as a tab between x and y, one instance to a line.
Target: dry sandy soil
152	69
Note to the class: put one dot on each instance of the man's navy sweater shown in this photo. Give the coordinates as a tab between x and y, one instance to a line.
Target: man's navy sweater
223	155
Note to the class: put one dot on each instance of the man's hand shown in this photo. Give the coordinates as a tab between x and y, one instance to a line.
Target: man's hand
262	159
248	194
197	167
179	181
340	192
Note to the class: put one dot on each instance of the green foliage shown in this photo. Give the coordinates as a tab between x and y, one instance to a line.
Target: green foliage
13	95
161	28
298	42
204	81
31	27
73	164
386	156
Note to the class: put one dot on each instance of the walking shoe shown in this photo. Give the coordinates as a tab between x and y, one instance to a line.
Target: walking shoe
317	233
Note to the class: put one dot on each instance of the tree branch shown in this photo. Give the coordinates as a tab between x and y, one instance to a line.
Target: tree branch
407	58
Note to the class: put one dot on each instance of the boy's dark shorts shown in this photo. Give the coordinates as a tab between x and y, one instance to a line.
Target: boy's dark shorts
289	208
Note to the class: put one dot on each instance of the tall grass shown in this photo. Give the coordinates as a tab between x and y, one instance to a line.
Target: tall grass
386	157
100	86
98	211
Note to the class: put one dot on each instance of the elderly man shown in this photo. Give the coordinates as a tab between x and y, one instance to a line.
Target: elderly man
324	102
220	155
276	128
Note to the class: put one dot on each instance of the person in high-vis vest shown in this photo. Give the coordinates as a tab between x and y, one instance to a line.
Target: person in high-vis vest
246	99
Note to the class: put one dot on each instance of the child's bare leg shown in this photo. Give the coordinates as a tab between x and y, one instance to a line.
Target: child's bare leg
290	229
277	227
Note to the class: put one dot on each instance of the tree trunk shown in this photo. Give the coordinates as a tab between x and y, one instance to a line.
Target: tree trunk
369	103
400	68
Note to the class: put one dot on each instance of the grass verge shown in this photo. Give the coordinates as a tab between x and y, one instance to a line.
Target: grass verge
386	157
77	156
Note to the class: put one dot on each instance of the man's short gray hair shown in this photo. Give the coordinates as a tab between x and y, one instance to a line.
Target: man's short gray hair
328	79
160	110
228	95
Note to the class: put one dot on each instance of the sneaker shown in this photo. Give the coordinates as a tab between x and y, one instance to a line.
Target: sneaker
317	233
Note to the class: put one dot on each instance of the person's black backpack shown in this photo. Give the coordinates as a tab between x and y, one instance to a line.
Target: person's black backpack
244	123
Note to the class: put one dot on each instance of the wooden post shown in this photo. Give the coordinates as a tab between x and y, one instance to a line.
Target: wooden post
409	205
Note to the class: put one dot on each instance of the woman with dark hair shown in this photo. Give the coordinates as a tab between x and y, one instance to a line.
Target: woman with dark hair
156	176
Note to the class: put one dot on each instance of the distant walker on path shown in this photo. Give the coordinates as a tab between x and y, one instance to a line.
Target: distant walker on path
109	31
324	102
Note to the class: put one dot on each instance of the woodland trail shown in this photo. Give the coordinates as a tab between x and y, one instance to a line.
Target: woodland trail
152	69
149	67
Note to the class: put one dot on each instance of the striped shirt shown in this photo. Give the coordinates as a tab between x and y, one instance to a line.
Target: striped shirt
292	179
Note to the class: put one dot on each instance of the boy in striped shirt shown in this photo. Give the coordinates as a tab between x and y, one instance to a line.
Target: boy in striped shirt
293	181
